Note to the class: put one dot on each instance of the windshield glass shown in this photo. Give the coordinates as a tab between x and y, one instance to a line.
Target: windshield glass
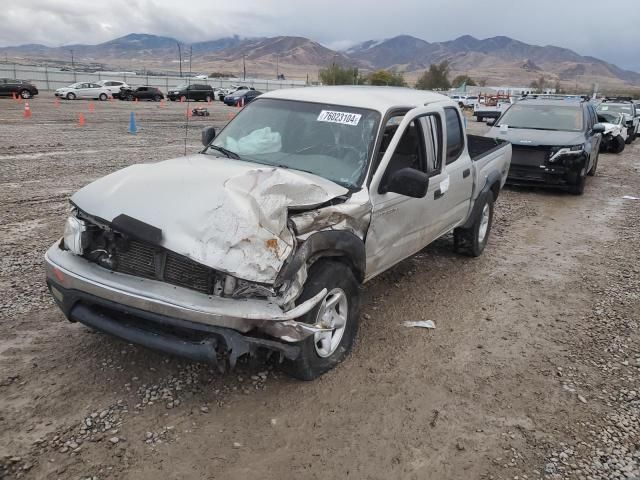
330	141
543	117
610	107
609	117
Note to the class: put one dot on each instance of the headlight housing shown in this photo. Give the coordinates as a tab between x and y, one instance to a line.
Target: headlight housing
74	235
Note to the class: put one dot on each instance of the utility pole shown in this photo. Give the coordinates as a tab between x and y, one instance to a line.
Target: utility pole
180	57
244	67
278	66
73	66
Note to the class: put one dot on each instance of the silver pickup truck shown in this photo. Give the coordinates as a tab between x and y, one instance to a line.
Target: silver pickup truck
260	242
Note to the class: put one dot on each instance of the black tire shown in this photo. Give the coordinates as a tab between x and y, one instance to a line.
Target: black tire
630	138
578	187
469	241
103	97
337	277
592	172
130	98
479	119
26	94
71	96
157	98
617	145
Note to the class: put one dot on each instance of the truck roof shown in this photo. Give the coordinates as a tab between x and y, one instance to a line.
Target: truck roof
381	99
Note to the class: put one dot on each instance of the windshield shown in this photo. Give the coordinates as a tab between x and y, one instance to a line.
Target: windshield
543	117
609	107
330	141
609	117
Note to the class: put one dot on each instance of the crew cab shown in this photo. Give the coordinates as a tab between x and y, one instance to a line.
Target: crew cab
556	141
261	241
22	88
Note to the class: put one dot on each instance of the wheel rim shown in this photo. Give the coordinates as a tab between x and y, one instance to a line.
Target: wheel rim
333	314
484	223
25	94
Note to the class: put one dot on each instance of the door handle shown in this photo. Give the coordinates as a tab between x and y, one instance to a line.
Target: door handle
438	194
466	173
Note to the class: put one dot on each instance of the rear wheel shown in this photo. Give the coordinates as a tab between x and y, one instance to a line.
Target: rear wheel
103	97
338	312
130	98
157	98
472	241
479	119
71	96
25	94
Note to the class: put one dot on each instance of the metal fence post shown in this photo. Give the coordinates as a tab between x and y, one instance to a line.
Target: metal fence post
46	76
15	75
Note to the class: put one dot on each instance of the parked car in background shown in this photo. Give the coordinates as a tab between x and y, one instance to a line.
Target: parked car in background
113	86
492	107
615	132
556	142
241	97
83	90
22	88
261	241
141	93
194	91
232	89
625	106
465	101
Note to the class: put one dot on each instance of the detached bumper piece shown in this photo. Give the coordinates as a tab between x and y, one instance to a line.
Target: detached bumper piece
182	338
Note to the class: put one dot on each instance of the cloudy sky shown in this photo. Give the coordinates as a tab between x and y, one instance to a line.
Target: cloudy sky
608	30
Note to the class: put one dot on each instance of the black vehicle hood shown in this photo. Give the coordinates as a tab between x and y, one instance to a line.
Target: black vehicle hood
536	138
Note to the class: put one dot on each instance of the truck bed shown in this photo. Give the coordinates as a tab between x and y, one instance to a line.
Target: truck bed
482	146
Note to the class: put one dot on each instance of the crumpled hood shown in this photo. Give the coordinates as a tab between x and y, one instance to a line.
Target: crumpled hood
611	128
227	214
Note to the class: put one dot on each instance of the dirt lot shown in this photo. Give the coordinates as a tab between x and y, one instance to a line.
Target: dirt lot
532	371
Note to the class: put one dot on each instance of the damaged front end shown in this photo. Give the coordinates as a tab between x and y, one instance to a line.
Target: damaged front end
126	277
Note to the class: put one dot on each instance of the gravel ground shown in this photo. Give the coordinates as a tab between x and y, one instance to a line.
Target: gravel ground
532	371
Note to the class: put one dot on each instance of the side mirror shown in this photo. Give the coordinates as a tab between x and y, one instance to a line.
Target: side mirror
208	134
492	121
598	128
408	182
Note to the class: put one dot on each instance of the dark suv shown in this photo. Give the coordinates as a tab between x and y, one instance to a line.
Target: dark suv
191	92
141	93
9	86
556	141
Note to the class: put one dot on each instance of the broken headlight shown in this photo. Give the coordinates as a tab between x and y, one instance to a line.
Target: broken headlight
75	238
557	152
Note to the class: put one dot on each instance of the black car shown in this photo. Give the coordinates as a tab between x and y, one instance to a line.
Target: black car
10	86
555	141
194	91
244	96
141	93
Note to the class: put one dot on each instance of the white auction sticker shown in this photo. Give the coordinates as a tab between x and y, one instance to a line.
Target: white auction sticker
345	118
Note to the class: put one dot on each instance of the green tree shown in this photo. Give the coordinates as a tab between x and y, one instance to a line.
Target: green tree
463	79
436	78
337	75
386	77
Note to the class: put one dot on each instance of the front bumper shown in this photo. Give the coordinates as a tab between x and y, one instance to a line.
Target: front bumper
75	274
561	173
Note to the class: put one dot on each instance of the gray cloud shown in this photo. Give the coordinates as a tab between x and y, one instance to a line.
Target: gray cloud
590	27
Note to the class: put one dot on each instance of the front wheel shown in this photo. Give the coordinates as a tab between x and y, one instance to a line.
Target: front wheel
103	97
578	187
338	312
71	96
157	98
471	241
617	145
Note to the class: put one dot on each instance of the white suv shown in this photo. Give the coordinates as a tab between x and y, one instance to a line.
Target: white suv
113	86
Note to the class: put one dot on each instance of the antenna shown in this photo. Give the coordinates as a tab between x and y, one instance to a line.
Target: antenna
186	124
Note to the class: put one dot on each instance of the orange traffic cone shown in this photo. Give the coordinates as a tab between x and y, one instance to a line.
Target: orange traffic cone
27	110
56	102
14	95
162	104
181	99
136	100
188	112
209	101
92	107
81	119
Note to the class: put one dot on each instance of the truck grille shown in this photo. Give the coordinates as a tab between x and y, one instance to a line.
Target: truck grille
144	260
529	156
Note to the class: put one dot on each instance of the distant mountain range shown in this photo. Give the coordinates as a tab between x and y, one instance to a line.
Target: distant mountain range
497	60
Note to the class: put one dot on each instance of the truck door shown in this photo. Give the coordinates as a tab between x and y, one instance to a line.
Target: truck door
401	225
458	174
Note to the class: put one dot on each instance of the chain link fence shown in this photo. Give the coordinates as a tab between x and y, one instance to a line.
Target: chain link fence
47	78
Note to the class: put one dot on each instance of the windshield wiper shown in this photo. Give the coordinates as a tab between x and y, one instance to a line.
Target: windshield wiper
225	152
